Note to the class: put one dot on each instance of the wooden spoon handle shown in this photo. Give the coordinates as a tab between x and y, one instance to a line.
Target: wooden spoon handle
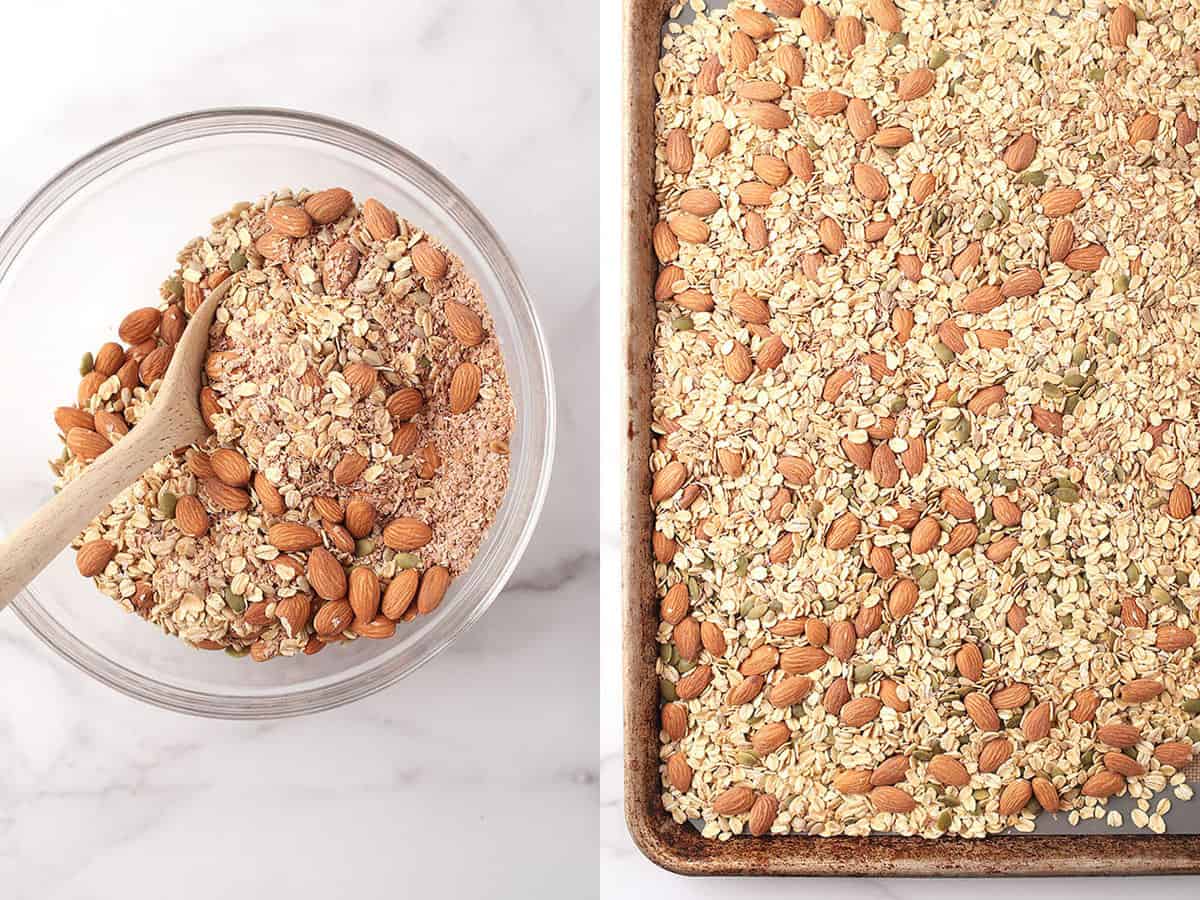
33	545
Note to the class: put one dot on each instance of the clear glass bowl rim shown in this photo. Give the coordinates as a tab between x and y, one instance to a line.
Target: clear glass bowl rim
77	176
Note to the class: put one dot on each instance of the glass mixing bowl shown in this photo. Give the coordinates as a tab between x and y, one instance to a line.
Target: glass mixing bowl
96	241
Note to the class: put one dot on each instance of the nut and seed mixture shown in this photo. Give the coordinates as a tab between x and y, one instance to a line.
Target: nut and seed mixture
360	413
924	389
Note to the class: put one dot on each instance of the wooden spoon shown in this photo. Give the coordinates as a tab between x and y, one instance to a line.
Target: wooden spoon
173	420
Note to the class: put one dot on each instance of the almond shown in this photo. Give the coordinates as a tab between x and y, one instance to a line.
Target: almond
360	517
790	691
956	504
68	417
1047	421
885	14
948	770
842	531
734	801
832	237
1122	25
378	628
754	230
464	387
208	404
834	382
86	444
883	466
688	228
759	90
860	711
227	497
962	536
994	753
754	193
889	799
674	720
407	534
1179	502
1014	796
691	685
791	60
333	617
364	593
1143	128
910	265
380	221
268	495
173	324
822	104
861	121
969	662
836	696
993	338
745	691
762	814
139	325
1139	690
1023	283
292	536
750	309
916	83
982	300
230	466
155	364
769	116
1035	724
1060	201
1011	696
712	638
852	781
893	137
999	551
667	481
815	632
290	220
800	163
802	660
1171	638
795	469
893	695
349	467
882	561
737	363
1021	152
902	599
877	230
706	80
925	535
770	738
678	151
858	454
1087	702
1177	754
698	202
93	557
1103	784
1086	258
1185	129
1062	239
1118	734
869	182
842	640
340	266
762	659
913	457
325	575
294	612
1046	794
981	711
891	771
1123	765
716	141
190	516
405	403
986	398
849	34
815	23
434	583
329	205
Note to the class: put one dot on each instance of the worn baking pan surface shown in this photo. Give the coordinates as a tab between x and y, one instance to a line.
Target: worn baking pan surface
681	848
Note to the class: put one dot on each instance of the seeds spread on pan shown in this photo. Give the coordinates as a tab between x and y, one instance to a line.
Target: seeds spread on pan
924	396
360	413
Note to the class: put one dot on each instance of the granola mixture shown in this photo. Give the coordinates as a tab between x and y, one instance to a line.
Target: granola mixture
360	413
924	396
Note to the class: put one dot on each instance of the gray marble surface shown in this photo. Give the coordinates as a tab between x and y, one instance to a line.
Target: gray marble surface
477	776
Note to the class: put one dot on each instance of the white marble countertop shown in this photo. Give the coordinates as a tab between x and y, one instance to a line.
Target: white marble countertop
480	770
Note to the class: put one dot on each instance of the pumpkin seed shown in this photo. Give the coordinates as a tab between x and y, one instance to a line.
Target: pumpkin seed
364	547
236	652
1192	707
747	758
166	503
938	58
407	560
1036	177
897	39
944	820
236	602
985	221
862	673
943	353
174	287
682	323
742	567
666	690
86	363
1095	74
237	261
928	580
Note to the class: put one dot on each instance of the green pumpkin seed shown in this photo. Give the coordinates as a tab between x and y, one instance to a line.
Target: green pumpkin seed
1005	210
1067	495
86	363
985	221
407	560
747	758
1095	74
682	323
664	652
962	433
236	652
952	802
1192	707
1160	595
1089	757
174	286
928	581
862	673
166	503
666	690
944	820
1111	338
1036	177
742	567
897	39
684	666
922	754
237	261
236	602
937	59
364	547
940	350
1053	391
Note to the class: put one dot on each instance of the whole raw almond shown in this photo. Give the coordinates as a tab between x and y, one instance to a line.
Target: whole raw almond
333	617
1061	241
1023	283
902	599
1046	420
227	497
349	467
1035	724
1118	734
230	466
1123	765
754	230
754	193
1085	258
790	691
981	711
843	531
802	660
1010	696
962	536
860	711
994	754
745	691
769	116
795	469
966	259
464	322
948	770
883	466
762	814
914	84
1171	638
85	444
1122	25
1174	753
678	151
340	266
1005	511
762	659
800	163
292	536
1000	550
836	696
154	366
93	557
190	516
985	398
885	14
406	534
699	202
400	592
891	771
888	799
1060	201
832	237
293	221
405	403
860	120
688	228
716	141
360	517
925	535
869	182
852	781
109	358
363	593
982	300
328	205
674	720
1179	501
139	325
692	685
1087	701
1046	794
770	737
893	137
325	575
268	495
706	79
734	801
849	34
822	104
1185	129
434	583
429	261
378	628
759	90
956	504
380	221
1014	796
1103	784
293	612
464	387
913	456
969	662
1143	128
679	772
893	695
842	640
1021	152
